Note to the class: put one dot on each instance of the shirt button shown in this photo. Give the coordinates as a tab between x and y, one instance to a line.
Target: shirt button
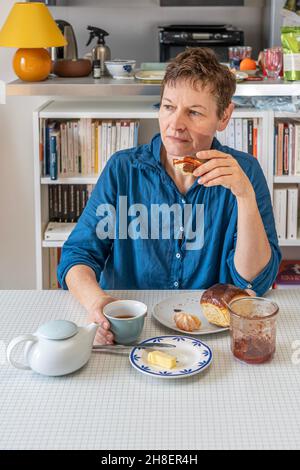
176	284
183	201
181	229
249	286
178	255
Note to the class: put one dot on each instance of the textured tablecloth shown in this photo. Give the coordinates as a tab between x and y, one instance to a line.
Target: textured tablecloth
109	405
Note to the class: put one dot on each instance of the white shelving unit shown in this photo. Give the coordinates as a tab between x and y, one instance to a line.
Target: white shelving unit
286	179
132	107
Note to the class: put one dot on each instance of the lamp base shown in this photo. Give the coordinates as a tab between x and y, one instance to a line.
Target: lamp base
32	65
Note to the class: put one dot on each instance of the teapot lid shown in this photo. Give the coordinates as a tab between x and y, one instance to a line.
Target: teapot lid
57	329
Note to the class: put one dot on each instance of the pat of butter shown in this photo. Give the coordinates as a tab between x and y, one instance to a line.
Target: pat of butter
162	359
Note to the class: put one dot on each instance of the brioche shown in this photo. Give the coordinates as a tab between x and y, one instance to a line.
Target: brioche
187	165
214	300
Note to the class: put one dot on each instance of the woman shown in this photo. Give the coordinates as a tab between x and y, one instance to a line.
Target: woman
188	231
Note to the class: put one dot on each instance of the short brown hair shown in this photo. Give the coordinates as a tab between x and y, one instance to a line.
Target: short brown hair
200	65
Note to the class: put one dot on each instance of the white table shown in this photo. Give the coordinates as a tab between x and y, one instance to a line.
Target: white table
109	405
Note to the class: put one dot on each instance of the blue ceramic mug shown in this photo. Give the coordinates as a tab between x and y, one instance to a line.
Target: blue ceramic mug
126	318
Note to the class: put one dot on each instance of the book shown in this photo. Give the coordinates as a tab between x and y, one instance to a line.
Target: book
280	211
250	136
58	231
238	134
288	274
53	170
292	212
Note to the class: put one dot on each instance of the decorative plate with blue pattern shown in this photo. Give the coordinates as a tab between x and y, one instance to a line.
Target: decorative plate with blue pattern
192	357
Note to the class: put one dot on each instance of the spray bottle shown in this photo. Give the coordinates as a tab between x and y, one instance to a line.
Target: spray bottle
101	51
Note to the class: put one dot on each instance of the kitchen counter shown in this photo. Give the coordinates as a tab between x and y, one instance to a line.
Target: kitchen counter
87	86
110	405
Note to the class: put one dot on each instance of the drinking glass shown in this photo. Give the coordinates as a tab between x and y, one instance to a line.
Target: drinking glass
273	61
253	329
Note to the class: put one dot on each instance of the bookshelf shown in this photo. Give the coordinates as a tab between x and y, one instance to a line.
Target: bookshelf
290	248
125	107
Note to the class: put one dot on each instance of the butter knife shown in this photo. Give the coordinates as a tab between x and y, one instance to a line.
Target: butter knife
123	347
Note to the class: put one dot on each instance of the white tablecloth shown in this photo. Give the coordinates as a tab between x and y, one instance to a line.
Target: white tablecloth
109	405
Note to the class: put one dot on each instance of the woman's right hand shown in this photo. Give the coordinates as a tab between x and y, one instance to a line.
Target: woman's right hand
95	315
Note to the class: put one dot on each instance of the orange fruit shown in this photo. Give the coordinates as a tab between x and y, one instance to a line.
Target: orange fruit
248	64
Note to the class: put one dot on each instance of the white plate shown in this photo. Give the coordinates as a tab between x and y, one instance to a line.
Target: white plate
192	357
153	75
189	303
241	76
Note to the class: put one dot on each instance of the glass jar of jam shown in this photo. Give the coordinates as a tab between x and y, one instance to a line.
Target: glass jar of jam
253	329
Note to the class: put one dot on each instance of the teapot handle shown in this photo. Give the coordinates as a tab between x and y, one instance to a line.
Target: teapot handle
13	344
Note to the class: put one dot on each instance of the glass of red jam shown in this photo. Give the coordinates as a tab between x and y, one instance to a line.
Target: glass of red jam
253	329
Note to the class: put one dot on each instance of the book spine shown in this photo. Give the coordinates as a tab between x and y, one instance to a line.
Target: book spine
255	137
275	167
286	149
297	149
76	147
280	211
280	149
65	205
231	134
109	137
136	133
238	134
113	138
250	136
55	203
131	134
53	158
99	169
51	208
118	136
292	218
60	213
71	204
245	135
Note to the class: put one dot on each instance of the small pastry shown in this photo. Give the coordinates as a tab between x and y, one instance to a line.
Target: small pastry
187	322
214	300
187	165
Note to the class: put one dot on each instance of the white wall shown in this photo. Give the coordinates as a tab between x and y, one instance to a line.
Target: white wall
132	24
16	180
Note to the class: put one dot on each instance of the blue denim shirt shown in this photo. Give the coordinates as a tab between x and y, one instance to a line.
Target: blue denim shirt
166	263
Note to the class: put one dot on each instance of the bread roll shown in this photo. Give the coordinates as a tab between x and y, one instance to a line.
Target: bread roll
213	302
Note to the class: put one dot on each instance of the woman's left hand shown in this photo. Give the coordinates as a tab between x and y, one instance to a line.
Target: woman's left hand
222	169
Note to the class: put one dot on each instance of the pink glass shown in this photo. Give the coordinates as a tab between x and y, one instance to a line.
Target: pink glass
253	329
273	62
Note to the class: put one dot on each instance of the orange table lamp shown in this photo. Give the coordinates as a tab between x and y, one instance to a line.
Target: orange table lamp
31	27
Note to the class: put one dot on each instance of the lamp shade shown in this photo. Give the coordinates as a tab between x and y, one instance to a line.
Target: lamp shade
30	25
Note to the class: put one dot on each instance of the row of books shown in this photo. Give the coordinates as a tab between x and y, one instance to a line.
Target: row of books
82	147
285	206
288	276
67	201
242	134
287	148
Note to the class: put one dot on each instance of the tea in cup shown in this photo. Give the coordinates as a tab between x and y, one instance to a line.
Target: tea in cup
126	318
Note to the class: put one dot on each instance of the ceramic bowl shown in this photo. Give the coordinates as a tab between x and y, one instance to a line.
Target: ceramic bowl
119	68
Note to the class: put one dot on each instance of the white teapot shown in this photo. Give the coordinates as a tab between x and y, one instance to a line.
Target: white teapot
58	347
